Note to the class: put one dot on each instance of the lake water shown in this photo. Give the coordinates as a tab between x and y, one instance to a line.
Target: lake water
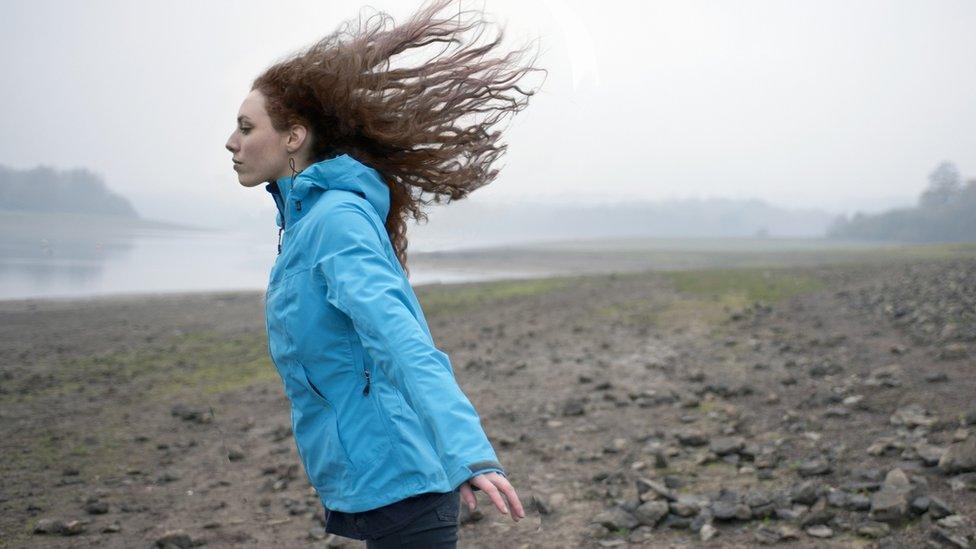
79	260
163	262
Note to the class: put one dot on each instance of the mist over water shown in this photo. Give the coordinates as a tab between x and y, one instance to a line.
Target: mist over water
163	262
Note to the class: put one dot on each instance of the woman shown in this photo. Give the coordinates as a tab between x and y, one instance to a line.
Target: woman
348	145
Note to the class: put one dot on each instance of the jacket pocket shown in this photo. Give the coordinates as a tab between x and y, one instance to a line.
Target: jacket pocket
315	424
375	440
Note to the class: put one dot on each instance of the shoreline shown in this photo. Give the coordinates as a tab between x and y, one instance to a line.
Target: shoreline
141	416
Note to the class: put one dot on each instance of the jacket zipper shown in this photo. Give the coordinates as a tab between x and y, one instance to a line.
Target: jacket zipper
366	389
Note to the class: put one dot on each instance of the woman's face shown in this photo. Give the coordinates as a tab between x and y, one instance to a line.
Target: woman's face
260	153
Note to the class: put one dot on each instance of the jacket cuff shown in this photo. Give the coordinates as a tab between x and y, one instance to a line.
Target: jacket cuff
480	468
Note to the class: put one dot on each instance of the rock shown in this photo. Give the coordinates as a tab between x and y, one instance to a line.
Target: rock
825	367
730	510
936	377
541	504
965	481
651	512
818	514
930	454
174	539
727	445
703	518
820	531
657	489
691	437
592	530
885	446
838	498
953	351
938	508
969	418
59	527
616	518
814	467
858	502
166	477
686	506
766	536
911	416
952	521
675	522
806	493
96	508
788	533
887	376
874	530
920	505
317	533
707	532
186	413
959	458
951	539
891	503
574	407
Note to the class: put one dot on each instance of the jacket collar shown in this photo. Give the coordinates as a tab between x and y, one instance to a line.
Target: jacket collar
294	196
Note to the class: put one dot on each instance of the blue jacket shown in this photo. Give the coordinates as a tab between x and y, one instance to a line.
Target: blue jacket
376	412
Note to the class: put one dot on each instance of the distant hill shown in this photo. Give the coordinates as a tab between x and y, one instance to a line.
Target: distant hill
44	189
476	223
66	200
945	212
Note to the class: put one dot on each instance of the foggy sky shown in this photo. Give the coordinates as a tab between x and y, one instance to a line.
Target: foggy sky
832	104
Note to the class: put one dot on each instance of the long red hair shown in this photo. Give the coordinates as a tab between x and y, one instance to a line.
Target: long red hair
428	127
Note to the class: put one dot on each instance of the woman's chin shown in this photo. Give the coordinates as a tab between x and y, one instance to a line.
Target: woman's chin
246	181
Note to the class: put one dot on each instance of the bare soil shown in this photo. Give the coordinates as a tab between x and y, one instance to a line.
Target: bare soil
141	416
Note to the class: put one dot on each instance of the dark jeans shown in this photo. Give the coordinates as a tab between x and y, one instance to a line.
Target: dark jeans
437	528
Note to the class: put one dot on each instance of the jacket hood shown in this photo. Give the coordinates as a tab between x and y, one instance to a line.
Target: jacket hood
341	172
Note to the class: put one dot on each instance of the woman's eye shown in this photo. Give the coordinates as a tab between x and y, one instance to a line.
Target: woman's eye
245	130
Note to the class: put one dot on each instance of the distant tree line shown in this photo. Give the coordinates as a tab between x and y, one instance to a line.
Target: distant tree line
44	189
945	212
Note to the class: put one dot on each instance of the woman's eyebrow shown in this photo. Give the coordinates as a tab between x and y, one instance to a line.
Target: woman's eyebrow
242	117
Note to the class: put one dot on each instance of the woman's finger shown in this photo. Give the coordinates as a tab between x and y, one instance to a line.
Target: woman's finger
511	495
488	487
487	484
467	494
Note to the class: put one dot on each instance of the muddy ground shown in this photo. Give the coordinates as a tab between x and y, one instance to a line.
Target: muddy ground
820	406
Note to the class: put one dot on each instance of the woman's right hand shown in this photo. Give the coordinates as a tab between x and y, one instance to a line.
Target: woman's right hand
494	485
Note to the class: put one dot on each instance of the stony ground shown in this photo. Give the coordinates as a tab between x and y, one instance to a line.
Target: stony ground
830	406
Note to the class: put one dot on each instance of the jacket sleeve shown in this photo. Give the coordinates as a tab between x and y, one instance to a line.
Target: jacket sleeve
363	283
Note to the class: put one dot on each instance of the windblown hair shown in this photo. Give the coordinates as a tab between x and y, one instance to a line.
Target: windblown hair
427	127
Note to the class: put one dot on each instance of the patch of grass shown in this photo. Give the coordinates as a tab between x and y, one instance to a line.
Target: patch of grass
740	287
215	363
706	406
203	361
637	312
462	296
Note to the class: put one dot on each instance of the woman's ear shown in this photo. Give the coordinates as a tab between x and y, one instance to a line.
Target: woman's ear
297	136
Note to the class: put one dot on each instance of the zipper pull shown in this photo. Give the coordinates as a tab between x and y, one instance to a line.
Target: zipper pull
279	239
366	389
